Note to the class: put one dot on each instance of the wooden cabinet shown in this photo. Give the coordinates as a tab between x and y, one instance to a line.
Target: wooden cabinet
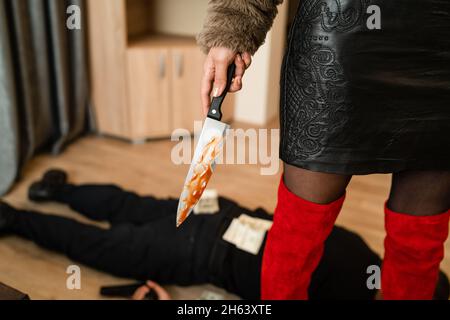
145	83
108	44
149	87
186	75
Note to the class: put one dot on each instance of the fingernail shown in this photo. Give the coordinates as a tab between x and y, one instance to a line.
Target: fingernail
216	92
238	81
239	57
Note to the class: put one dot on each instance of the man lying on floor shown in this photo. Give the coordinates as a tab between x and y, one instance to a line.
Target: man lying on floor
144	243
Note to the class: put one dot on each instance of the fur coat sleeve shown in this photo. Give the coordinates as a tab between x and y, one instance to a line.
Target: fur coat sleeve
240	25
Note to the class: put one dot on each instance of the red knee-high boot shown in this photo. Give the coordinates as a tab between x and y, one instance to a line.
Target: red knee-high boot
414	248
295	245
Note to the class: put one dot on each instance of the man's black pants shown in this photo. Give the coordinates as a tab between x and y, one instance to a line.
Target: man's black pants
142	242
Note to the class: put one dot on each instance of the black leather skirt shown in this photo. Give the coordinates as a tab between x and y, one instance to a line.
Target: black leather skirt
366	86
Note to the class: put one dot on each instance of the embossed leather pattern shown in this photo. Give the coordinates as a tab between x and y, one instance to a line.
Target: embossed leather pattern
360	101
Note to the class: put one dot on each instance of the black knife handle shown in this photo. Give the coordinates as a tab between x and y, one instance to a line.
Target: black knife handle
215	111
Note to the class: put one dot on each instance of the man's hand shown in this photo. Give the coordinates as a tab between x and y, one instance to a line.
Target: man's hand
150	285
215	73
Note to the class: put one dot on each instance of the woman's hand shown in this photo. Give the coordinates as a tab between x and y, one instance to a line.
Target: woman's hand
150	285
215	73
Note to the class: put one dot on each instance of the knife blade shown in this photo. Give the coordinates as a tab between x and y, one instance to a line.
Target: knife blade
206	152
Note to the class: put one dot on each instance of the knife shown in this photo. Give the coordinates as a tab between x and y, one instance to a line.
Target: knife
205	155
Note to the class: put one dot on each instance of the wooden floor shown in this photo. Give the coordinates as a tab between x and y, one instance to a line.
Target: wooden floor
148	169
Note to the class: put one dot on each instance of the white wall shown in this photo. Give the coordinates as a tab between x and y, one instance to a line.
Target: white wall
258	102
180	17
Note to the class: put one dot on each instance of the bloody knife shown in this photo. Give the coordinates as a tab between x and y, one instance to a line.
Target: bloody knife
205	155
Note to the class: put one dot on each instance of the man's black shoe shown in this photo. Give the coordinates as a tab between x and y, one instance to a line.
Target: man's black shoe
49	187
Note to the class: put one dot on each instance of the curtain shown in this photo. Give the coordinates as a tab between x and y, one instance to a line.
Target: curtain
44	81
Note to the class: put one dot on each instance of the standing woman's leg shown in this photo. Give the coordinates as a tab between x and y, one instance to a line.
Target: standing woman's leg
417	221
308	205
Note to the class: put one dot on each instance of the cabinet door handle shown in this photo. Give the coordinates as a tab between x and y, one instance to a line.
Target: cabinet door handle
179	64
162	65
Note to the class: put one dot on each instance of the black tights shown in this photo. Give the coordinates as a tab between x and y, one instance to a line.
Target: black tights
313	186
418	193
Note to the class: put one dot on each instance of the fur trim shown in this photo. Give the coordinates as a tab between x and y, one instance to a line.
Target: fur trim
240	25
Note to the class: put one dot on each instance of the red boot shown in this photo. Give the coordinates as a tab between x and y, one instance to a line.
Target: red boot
295	245
414	247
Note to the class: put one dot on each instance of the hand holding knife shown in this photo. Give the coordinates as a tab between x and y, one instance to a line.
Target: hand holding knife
206	152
